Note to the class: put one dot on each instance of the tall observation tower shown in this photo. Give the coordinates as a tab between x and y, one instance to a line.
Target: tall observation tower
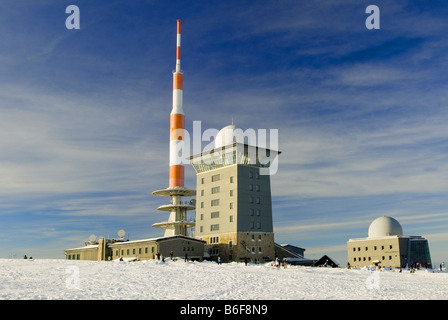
177	223
234	209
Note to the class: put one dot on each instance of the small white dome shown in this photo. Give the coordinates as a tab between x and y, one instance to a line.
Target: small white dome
226	136
385	226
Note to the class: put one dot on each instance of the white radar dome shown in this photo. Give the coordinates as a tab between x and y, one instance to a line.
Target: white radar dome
227	135
385	226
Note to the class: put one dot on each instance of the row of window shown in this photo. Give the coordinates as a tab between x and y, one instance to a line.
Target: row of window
217	177
252	175
213	240
215	227
123	252
216	202
134	252
367	248
215	251
217	189
119	253
369	258
215	214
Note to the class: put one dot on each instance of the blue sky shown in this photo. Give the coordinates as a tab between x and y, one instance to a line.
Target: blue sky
84	118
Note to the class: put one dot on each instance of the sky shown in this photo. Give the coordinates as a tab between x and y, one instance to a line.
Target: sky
361	115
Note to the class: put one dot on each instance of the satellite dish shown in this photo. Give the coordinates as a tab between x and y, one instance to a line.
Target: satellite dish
121	233
193	202
92	237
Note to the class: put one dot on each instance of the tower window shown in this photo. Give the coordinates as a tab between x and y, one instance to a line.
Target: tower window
215	190
214	227
215	214
215	177
215	202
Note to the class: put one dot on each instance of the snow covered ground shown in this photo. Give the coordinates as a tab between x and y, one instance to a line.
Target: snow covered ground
152	280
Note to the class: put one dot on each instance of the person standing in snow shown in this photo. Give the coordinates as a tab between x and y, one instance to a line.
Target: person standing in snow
186	257
171	254
219	260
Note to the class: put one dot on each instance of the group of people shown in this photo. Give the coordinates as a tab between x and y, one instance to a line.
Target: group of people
279	263
412	267
171	257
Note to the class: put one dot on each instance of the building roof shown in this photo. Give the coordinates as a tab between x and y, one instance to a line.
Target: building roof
326	261
158	239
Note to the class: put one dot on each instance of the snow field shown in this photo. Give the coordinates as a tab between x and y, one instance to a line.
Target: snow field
153	280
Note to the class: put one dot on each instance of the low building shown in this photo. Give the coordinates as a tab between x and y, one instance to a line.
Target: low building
288	251
154	248
386	245
326	261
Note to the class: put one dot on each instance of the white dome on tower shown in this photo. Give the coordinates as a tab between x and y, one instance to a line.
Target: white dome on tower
227	135
384	226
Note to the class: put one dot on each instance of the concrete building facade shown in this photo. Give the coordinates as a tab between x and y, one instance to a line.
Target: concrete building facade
233	201
145	249
386	245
